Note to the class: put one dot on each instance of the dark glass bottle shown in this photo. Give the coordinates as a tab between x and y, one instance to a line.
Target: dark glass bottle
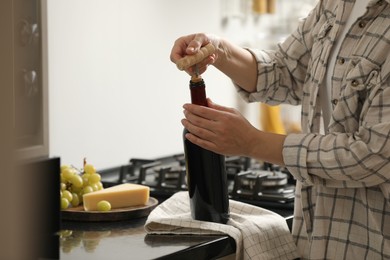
206	172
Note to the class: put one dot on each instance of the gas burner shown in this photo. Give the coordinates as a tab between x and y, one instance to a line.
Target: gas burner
236	164
263	185
248	180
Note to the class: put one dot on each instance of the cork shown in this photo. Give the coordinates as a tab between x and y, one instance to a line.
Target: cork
196	78
190	60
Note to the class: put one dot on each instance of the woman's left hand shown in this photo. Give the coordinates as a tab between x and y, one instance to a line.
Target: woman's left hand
219	129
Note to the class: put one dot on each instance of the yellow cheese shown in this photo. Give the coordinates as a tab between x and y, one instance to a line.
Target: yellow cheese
119	196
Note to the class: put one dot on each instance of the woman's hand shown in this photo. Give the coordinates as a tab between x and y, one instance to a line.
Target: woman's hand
190	45
225	131
219	129
234	61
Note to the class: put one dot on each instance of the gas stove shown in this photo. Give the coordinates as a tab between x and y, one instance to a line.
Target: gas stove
249	181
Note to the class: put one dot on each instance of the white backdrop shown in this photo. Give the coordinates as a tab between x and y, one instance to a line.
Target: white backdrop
113	92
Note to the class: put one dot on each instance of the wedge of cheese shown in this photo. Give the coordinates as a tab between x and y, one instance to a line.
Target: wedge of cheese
119	196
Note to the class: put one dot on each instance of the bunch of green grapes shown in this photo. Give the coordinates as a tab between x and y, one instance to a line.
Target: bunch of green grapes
75	183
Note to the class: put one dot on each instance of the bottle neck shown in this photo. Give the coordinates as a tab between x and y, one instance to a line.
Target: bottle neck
198	91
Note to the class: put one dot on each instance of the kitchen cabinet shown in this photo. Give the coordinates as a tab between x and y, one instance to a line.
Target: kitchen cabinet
30	78
26	191
6	77
23	72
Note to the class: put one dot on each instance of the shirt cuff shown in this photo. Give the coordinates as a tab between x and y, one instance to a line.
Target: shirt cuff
265	67
295	149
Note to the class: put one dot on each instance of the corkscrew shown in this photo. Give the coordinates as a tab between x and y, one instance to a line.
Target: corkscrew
196	77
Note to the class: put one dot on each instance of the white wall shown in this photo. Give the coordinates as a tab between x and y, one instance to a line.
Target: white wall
114	94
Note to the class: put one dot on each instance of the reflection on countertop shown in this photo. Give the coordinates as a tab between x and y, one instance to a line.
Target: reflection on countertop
124	239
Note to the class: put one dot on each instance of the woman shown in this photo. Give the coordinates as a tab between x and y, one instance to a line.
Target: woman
336	66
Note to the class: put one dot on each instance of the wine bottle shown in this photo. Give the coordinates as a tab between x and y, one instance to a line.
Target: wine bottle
206	172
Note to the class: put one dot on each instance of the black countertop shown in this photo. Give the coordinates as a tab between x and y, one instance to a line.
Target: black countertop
128	240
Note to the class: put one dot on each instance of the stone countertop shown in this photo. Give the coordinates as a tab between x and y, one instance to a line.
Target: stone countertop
128	240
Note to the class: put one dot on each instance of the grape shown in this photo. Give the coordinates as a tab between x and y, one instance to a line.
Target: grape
63	167
85	178
64	203
103	205
90	169
94	186
67	195
75	201
87	189
94	178
67	173
99	185
76	181
63	186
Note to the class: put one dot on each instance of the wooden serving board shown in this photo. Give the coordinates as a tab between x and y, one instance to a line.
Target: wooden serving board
79	214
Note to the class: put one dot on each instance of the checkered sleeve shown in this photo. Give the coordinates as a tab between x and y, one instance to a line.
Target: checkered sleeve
281	73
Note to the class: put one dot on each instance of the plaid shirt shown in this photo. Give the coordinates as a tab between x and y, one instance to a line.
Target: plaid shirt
342	206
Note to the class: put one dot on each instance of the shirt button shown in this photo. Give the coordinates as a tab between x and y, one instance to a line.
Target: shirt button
335	101
362	24
341	61
355	83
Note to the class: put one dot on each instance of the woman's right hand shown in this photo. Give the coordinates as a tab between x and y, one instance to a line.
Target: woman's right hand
190	45
234	61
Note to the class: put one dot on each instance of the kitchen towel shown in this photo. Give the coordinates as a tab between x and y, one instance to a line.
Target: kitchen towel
259	233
